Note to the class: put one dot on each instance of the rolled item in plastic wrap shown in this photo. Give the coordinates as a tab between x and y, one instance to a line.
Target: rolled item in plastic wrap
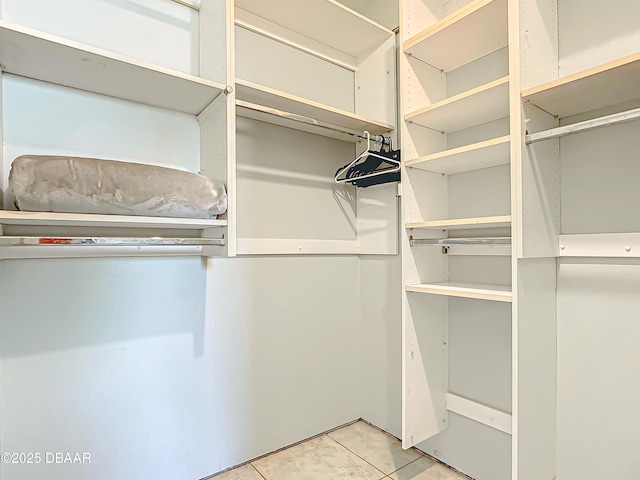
43	183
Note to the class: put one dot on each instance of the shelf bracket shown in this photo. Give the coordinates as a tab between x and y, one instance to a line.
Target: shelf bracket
215	104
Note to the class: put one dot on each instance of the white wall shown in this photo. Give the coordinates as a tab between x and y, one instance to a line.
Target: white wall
158	31
296	331
126	360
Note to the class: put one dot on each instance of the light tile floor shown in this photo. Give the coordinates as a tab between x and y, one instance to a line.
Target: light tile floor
355	452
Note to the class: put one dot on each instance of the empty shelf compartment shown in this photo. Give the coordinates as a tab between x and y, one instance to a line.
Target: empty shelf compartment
470	33
490	153
477	106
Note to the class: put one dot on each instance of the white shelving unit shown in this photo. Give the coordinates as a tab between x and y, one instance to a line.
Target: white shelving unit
325	72
576	70
457	148
80	67
354	53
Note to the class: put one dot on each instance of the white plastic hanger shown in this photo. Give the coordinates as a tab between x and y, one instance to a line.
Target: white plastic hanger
363	156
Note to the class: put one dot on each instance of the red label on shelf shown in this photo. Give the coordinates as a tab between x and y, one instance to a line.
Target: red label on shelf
55	241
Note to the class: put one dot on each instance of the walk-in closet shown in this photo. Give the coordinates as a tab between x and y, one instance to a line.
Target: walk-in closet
319	239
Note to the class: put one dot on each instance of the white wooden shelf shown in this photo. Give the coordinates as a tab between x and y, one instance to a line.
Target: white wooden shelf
325	21
489	153
470	33
503	221
46	219
477	106
498	293
298	112
29	235
49	58
480	413
604	245
606	85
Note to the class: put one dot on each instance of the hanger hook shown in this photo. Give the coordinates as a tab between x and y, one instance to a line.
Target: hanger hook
368	137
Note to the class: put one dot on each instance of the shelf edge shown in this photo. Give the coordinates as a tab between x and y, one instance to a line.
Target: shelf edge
456	98
445	23
584	74
460	150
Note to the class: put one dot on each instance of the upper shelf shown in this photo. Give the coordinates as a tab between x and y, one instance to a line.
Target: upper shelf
615	83
477	106
46	219
472	32
290	107
325	21
41	56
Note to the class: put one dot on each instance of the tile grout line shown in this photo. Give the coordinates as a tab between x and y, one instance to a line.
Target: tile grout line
415	449
326	434
250	462
419	452
411	462
258	471
354	453
287	447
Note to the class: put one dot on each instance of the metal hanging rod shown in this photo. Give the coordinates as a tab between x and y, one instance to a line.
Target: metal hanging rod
616	118
195	4
248	26
30	241
446	242
309	121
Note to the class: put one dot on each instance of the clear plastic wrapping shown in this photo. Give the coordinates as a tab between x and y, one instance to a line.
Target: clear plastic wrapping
42	183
